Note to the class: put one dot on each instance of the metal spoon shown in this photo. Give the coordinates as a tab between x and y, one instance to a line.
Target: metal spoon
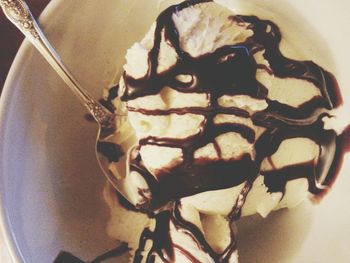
18	12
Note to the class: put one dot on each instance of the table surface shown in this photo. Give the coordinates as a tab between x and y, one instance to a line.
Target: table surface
10	41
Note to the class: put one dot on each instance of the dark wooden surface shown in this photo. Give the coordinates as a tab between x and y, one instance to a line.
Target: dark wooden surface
11	38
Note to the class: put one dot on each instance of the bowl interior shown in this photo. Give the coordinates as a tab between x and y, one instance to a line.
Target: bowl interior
51	185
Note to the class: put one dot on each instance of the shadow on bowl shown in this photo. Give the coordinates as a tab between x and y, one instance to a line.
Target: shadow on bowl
274	239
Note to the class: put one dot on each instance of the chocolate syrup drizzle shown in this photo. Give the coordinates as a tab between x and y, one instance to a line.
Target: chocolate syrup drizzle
164	248
66	257
231	70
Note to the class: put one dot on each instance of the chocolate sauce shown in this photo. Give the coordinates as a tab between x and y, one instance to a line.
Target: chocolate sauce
235	214
231	70
162	245
107	103
341	148
165	249
116	252
66	257
113	152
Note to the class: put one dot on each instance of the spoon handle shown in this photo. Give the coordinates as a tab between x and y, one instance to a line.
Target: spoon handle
18	12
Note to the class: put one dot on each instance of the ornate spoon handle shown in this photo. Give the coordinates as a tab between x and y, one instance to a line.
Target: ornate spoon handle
17	11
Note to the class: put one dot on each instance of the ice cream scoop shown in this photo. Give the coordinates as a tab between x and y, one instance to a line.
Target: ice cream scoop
225	125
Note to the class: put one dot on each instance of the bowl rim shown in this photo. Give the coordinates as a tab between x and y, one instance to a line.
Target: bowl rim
5	103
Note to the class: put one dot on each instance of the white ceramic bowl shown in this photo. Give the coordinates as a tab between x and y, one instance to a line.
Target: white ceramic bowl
50	183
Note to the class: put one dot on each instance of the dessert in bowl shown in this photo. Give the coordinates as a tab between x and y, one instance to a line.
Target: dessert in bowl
225	125
105	80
